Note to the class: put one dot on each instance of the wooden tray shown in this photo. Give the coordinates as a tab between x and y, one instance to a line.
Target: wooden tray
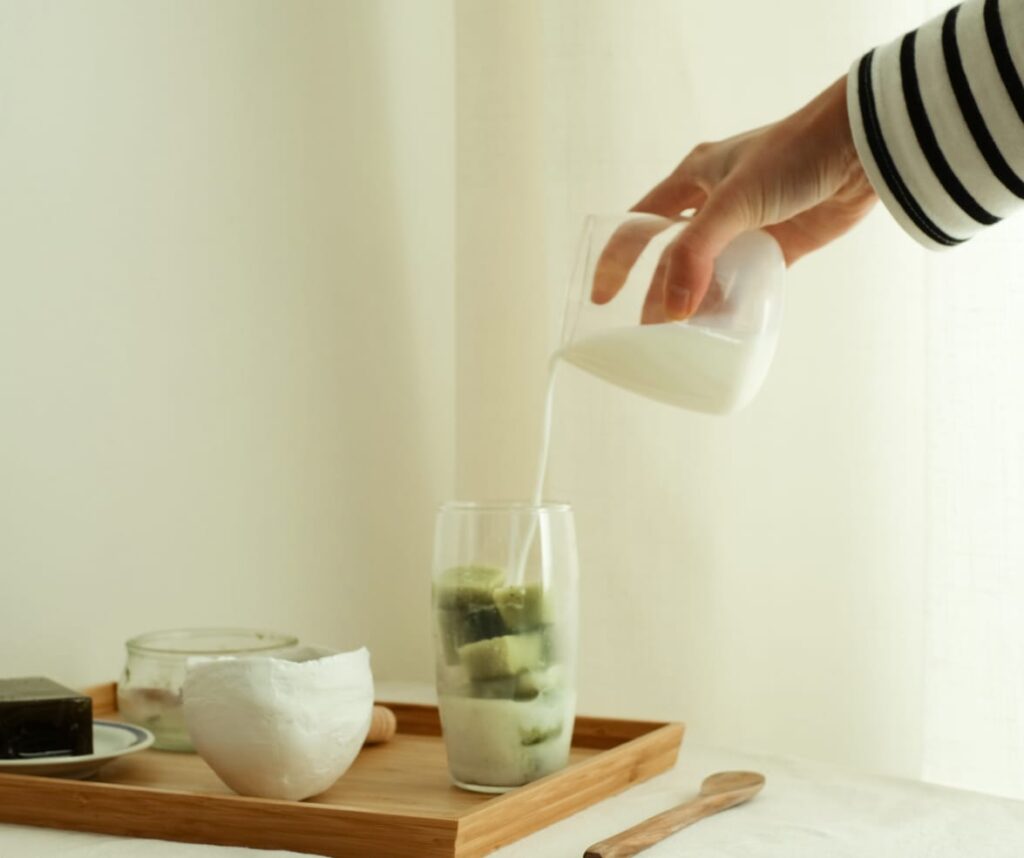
396	800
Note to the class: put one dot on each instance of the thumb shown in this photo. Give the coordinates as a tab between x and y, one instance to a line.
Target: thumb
691	256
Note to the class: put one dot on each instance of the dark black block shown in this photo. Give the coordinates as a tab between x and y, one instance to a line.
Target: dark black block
40	718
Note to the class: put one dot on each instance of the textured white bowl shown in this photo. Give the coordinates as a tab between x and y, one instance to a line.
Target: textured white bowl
280	727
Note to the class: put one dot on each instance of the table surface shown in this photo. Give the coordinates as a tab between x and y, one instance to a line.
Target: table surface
806	810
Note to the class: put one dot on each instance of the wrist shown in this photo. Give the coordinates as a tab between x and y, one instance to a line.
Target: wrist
836	123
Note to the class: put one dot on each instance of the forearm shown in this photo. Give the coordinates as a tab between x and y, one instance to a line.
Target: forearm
937	118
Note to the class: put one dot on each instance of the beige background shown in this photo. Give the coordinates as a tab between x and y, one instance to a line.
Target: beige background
276	277
226	317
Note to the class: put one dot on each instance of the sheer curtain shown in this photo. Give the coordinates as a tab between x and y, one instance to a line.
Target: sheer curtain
833	573
974	664
226	323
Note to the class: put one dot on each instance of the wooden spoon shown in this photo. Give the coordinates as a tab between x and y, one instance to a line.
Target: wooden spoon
718	792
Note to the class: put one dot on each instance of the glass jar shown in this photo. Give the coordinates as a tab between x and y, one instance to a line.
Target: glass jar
505	611
149	693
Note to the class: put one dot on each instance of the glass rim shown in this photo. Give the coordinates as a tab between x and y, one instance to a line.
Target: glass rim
503	506
262	640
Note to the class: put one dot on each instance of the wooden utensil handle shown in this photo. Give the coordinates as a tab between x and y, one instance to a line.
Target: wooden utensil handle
382	726
657	828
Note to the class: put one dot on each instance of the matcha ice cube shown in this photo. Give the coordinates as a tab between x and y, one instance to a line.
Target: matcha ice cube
504	656
522	608
534	682
460	627
447	624
526	686
480	624
467	586
503	688
534	735
541	720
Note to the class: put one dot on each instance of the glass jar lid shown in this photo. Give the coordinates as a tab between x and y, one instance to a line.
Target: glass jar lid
212	641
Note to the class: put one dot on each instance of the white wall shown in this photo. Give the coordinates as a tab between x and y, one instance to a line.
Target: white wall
226	322
234	368
501	302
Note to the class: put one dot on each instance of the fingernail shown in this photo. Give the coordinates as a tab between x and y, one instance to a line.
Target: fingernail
678	303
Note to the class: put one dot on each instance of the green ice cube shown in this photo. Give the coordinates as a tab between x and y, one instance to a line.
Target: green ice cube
522	608
448	625
526	686
503	688
504	656
479	624
536	734
535	682
458	627
464	627
467	586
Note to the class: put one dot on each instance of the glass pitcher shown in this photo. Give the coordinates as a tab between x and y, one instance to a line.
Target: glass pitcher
716	360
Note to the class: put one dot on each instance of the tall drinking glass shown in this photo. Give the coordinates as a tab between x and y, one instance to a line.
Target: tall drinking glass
506	617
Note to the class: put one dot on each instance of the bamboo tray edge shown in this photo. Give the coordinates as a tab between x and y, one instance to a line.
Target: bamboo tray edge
625	752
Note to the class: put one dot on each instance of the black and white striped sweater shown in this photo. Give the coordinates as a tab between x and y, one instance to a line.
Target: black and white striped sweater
938	121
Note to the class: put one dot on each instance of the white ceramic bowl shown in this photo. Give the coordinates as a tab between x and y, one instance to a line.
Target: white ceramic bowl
280	727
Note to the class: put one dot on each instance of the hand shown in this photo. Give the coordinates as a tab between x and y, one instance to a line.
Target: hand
799	179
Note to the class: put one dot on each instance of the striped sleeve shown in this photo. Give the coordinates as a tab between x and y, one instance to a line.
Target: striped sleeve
938	121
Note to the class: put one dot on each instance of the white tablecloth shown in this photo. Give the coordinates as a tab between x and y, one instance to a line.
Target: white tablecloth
805	811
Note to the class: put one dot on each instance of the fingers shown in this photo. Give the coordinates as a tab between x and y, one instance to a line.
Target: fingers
653	312
680	191
620	255
691	257
671	196
668	198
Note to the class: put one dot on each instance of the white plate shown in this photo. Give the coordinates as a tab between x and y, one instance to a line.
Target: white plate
110	740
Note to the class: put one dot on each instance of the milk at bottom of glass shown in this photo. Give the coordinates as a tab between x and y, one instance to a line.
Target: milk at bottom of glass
507	742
